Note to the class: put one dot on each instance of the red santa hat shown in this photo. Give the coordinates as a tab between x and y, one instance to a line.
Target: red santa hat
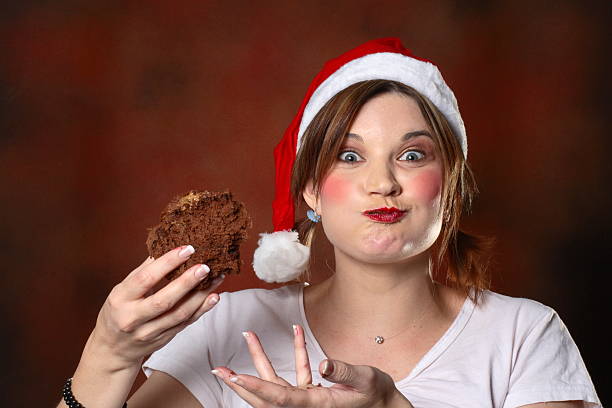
280	257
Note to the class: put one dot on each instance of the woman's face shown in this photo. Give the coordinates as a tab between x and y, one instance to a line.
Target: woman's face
388	160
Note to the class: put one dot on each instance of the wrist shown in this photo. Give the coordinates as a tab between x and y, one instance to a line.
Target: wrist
102	379
103	356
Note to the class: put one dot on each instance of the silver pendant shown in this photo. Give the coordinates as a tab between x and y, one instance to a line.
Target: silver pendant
379	339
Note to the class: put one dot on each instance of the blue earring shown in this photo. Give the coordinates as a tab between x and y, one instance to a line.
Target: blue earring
313	216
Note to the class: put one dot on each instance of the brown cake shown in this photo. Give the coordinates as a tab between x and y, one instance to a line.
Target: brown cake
212	222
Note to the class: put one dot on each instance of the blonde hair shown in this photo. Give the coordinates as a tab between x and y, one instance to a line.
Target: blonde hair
459	259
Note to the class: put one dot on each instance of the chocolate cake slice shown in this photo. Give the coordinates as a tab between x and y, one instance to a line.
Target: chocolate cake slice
212	222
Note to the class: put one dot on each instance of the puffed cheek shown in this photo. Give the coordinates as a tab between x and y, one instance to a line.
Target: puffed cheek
427	184
335	189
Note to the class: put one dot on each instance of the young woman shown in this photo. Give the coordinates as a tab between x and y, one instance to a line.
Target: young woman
377	153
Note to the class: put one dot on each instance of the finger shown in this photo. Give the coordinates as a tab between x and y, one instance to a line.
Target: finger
275	394
303	375
188	310
225	374
204	301
147	261
360	377
143	278
164	337
260	358
165	298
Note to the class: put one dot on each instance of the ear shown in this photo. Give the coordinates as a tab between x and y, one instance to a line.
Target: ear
310	196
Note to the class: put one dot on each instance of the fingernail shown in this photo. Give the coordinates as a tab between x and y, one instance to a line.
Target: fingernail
295	330
328	368
201	271
235	380
215	372
245	334
186	251
213	300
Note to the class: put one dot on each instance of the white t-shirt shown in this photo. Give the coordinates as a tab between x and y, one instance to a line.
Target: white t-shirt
504	353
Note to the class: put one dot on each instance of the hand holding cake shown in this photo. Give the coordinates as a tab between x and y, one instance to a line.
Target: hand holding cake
132	324
195	245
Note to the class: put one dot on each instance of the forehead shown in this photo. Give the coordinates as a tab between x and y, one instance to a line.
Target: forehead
389	113
389	118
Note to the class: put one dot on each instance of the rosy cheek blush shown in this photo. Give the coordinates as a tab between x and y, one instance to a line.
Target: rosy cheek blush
335	189
427	184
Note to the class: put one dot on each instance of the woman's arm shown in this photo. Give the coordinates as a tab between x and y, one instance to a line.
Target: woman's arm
102	380
161	390
134	322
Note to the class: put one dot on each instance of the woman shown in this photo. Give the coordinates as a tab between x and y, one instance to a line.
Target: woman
405	320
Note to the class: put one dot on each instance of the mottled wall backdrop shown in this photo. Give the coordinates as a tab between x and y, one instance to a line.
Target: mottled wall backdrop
110	108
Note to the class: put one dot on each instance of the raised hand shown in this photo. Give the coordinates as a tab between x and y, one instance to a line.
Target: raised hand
135	322
356	386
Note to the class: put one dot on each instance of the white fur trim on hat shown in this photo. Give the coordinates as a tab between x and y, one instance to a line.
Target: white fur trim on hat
280	257
420	75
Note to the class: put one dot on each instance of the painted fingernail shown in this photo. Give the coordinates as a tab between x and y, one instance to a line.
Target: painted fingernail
328	368
218	280
235	380
186	251
215	372
201	271
295	330
245	334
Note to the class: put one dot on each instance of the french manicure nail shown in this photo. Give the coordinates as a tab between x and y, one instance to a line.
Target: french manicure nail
201	271
295	330
235	380
245	334
215	372
185	252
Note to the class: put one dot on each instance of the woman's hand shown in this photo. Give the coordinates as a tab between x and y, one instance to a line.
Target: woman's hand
355	386
135	322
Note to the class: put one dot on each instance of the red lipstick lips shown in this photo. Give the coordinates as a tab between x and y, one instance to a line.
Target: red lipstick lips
386	215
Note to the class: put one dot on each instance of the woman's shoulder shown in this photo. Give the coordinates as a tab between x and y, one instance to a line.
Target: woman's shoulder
244	303
281	294
496	300
257	309
518	312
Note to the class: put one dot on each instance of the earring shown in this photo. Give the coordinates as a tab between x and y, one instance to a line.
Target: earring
313	216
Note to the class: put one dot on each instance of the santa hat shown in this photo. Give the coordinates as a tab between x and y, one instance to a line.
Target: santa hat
280	257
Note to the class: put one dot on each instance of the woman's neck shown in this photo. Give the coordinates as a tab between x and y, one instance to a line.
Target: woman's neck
381	298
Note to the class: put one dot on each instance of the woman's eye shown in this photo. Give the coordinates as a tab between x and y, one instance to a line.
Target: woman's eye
349	156
413	155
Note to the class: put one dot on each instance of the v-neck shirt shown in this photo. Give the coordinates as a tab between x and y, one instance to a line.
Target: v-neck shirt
503	352
438	348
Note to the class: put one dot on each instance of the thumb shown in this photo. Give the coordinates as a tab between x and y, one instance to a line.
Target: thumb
339	372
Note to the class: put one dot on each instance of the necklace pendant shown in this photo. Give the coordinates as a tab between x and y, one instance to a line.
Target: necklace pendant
379	339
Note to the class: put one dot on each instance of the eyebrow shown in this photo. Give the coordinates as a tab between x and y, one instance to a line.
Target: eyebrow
405	138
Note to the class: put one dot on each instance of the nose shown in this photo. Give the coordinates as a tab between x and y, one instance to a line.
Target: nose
382	180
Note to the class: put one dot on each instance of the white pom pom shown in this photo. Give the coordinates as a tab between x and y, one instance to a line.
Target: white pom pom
280	257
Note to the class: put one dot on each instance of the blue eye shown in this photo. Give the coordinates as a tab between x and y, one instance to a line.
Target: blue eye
349	156
413	155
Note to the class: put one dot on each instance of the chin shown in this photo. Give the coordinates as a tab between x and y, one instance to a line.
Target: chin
386	248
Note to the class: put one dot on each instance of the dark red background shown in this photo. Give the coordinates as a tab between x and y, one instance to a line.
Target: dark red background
110	108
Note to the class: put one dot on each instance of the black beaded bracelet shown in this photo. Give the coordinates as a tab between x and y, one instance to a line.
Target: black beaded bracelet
69	398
